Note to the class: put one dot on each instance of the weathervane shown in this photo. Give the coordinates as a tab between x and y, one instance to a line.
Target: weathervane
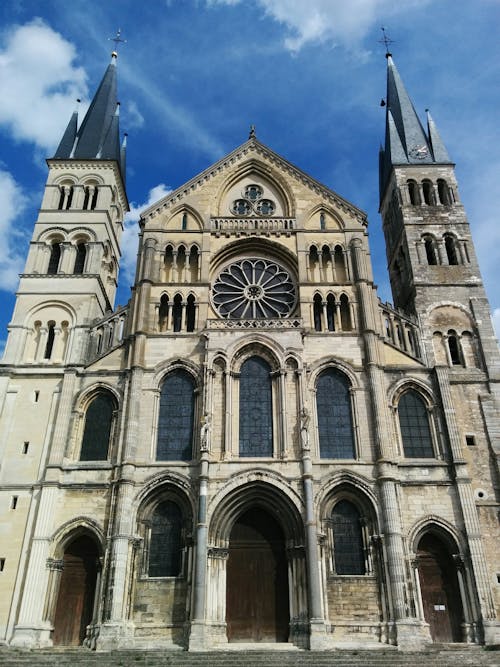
386	40
117	40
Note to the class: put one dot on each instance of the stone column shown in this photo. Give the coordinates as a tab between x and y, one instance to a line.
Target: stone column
197	638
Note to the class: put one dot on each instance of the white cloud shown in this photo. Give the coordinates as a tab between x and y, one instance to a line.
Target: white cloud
496	321
332	21
130	237
38	83
133	117
12	204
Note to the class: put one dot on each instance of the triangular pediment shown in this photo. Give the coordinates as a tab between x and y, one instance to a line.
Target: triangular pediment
255	155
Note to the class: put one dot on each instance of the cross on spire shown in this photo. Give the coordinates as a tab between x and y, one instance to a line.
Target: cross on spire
117	40
386	40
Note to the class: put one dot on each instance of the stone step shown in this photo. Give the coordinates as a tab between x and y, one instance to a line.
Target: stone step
436	657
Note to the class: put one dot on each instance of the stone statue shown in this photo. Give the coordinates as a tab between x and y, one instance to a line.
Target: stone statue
205	433
305	418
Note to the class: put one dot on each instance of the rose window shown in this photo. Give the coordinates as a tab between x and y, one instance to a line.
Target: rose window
253	203
255	289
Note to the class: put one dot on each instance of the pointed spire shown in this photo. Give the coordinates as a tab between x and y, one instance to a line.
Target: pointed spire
68	139
405	139
408	125
438	148
100	125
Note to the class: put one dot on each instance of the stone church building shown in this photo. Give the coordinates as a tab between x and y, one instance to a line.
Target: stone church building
255	448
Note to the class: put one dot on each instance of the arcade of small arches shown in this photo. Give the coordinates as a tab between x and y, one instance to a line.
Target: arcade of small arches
452	348
88	195
328	263
446	250
258	526
335	313
429	193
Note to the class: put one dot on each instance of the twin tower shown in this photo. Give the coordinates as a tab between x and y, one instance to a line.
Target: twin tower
254	448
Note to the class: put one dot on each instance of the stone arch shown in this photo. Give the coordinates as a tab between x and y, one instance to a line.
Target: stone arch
82	234
74	528
192	214
165	367
265	172
332	362
53	234
255	345
332	218
258	247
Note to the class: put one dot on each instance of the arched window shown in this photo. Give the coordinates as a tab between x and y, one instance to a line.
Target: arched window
333	402
318	312
345	313
339	260
443	192
175	423
414	425
194	260
322	221
177	313
97	431
165	541
430	250
454	347
51	335
163	313
451	249
313	263
55	258
428	190
347	539
413	193
190	313
168	264
81	254
256	408
330	312
184	221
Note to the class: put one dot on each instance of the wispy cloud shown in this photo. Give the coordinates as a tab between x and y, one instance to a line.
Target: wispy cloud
13	202
326	20
38	83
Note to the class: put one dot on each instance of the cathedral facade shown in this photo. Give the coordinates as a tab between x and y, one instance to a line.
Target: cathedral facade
255	448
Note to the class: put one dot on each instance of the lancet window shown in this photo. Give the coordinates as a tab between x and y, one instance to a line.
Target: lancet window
176	417
415	426
256	408
335	426
348	547
165	540
98	428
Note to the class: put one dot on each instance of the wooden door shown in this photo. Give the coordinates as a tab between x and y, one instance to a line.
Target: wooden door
257	581
75	600
439	587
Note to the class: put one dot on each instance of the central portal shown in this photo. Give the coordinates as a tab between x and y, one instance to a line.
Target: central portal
257	580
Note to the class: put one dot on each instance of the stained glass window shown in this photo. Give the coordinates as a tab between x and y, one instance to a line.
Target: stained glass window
254	288
256	408
175	424
414	423
333	403
97	431
165	544
347	539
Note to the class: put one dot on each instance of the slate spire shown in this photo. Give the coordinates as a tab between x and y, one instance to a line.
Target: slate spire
406	141
68	139
98	137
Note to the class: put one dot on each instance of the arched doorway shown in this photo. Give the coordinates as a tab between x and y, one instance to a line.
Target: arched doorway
75	601
257	608
442	604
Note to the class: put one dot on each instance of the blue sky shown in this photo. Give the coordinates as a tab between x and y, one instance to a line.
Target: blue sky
194	74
